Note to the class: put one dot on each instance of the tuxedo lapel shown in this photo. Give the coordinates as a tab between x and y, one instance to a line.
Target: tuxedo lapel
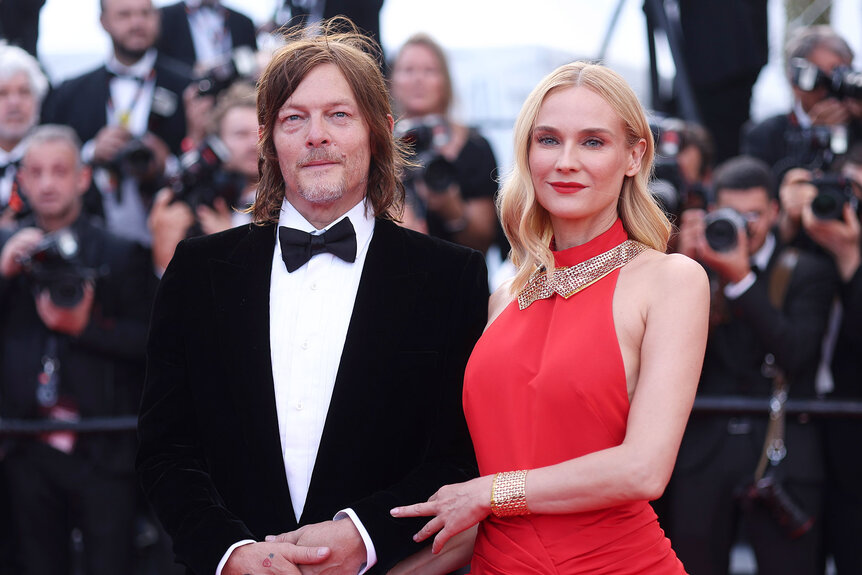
381	313
240	287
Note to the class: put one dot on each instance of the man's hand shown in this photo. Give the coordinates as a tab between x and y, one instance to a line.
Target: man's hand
18	246
169	222
109	141
691	228
198	112
342	536
829	112
839	238
796	192
215	219
69	320
272	559
732	265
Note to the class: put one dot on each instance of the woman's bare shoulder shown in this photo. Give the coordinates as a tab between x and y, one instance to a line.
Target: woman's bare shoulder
499	300
665	269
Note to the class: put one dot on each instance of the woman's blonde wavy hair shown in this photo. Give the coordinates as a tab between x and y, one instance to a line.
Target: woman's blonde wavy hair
526	223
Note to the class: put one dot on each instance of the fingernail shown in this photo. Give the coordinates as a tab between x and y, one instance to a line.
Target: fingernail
416	537
270	538
395	511
322	551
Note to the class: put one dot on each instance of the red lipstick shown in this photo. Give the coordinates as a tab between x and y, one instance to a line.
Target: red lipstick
567	187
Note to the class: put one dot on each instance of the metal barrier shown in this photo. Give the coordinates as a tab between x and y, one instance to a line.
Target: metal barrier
726	404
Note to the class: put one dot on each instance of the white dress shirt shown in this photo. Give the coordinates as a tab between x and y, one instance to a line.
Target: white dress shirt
309	312
210	34
131	98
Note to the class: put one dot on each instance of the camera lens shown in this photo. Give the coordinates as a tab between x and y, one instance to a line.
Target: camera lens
439	174
722	229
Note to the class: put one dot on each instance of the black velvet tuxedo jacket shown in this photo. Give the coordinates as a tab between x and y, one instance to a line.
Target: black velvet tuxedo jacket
81	103
175	39
735	351
210	459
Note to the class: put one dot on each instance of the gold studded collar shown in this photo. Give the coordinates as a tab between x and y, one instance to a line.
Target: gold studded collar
567	281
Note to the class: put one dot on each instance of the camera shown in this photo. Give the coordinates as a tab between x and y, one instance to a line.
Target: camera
135	159
241	63
54	265
722	229
833	192
842	82
668	186
425	135
769	493
201	179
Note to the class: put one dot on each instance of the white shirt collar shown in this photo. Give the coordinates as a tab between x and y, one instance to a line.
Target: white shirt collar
801	116
360	216
139	69
761	257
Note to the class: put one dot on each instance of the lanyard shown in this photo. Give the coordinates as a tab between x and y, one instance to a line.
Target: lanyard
123	117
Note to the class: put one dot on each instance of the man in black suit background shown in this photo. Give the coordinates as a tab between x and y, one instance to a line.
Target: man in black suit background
306	384
72	340
203	33
128	112
750	332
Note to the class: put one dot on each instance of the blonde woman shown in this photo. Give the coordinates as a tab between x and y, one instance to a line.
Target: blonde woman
578	392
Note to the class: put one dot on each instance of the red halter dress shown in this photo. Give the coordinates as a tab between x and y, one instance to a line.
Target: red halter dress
546	384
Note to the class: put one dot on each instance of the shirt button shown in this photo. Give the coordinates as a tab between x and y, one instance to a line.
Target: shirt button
299	406
304	345
313	287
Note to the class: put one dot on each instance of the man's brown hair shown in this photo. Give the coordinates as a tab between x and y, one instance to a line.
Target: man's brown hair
356	56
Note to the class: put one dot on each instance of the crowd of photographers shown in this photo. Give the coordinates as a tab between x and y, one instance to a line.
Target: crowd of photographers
102	175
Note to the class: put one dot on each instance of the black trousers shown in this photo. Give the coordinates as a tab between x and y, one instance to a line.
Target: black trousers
705	511
51	493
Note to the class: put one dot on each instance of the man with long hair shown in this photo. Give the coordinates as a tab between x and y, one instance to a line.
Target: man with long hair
304	371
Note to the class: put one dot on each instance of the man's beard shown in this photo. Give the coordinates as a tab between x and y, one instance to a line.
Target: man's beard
128	53
16	134
318	190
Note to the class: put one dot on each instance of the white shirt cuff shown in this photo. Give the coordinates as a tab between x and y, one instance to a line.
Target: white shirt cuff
370	552
229	551
88	151
734	290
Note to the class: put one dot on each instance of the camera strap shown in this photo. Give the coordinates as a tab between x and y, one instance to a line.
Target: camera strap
774	448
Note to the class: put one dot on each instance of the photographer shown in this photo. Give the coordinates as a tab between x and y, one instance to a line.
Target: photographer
769	312
826	113
453	187
74	301
129	112
218	178
829	212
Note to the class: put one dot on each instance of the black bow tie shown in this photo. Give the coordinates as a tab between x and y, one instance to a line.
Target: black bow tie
297	247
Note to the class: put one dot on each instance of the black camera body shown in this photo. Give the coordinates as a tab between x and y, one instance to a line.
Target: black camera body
54	265
834	191
770	494
722	229
135	159
201	179
842	82
241	63
424	136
